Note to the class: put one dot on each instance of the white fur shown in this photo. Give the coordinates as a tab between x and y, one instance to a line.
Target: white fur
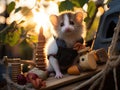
66	24
51	46
53	65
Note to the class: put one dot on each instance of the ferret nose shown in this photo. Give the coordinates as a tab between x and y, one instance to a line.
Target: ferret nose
68	29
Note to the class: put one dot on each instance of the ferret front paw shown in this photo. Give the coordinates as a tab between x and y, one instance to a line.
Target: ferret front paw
59	75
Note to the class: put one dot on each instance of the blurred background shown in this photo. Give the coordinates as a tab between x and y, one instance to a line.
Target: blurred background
20	21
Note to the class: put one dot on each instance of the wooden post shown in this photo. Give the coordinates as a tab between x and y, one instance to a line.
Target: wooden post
39	53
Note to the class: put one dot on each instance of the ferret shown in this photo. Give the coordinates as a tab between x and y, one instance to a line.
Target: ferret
69	28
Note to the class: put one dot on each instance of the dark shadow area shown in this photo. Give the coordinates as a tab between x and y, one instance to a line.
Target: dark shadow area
110	30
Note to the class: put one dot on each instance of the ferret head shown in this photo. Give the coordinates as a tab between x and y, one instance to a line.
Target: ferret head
68	23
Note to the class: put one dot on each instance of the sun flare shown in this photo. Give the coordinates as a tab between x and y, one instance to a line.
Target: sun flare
40	15
41	19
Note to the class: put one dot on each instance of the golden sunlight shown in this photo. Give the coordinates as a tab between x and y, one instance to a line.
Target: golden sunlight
41	19
40	16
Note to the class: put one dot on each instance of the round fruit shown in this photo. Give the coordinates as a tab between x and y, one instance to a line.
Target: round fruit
21	79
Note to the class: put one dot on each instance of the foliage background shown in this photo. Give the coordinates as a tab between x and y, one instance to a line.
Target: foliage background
19	37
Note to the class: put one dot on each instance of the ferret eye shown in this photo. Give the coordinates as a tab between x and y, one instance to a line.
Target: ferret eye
71	22
62	24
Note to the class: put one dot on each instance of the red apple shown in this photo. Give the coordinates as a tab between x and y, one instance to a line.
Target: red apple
36	81
31	76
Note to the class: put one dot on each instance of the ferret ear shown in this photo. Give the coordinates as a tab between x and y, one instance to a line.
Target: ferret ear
54	19
79	17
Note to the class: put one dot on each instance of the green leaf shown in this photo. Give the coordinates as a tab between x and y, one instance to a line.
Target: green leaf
82	2
32	39
87	19
2	37
66	5
12	38
91	8
11	7
79	3
75	2
27	12
18	9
